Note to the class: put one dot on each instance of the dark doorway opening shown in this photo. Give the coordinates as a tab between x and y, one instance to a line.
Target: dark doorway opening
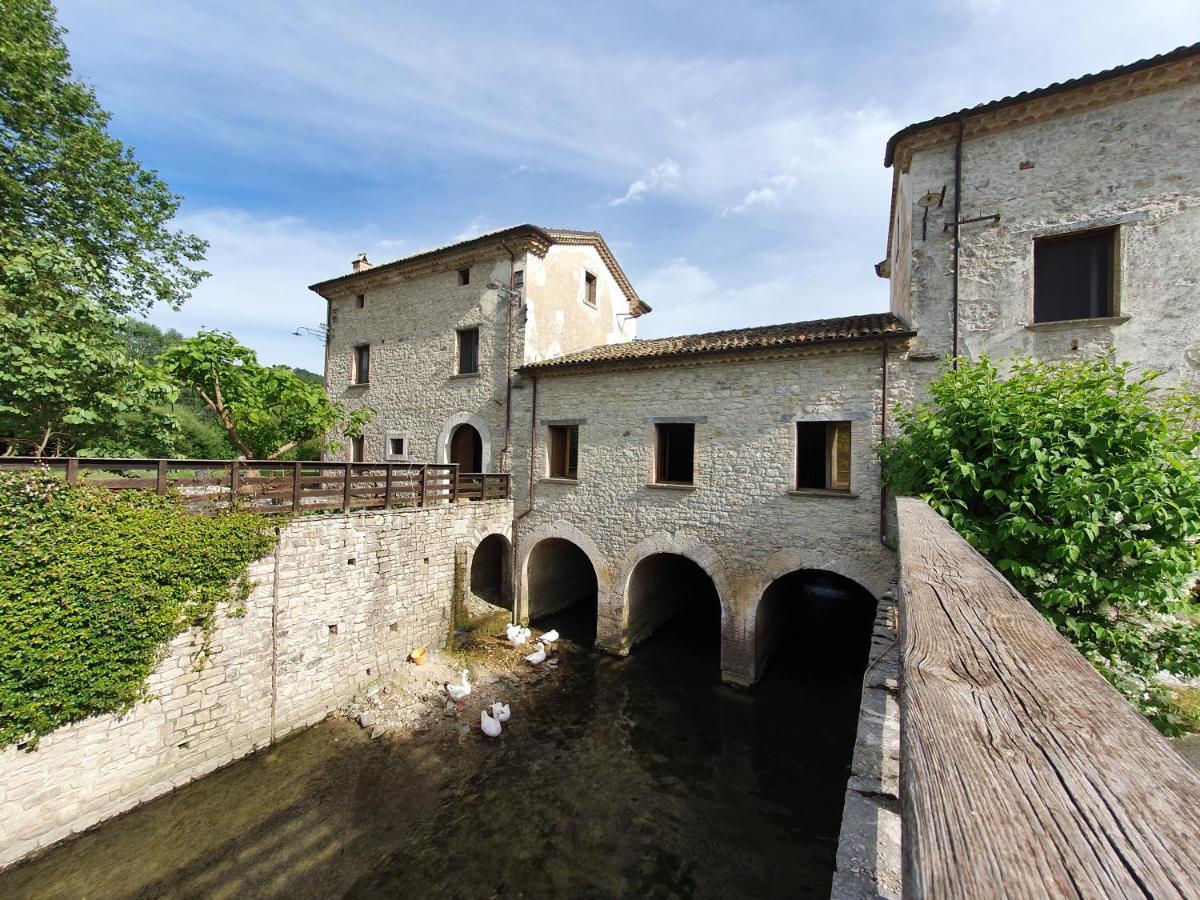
466	449
563	591
820	621
490	580
667	586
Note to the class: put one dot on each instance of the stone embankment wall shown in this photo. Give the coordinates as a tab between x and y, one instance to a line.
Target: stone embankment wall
341	601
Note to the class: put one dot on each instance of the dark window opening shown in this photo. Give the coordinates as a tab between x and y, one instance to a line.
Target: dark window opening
675	451
356	449
360	300
362	364
589	286
1073	277
518	279
564	451
468	351
823	456
396	446
464	276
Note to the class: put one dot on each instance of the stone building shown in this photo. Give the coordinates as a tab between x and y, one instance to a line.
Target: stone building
1075	226
430	341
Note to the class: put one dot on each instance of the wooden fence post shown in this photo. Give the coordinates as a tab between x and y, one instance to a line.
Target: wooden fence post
296	489
235	482
387	488
454	482
160	480
72	471
346	489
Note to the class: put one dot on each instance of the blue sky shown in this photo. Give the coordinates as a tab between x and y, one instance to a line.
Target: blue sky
730	153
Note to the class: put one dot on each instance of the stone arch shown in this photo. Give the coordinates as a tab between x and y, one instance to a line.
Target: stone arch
490	570
447	432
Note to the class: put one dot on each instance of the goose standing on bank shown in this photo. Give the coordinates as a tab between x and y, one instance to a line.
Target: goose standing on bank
538	656
461	691
518	635
501	711
489	726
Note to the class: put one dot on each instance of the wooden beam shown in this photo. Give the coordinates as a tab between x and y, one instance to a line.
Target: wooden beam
1023	772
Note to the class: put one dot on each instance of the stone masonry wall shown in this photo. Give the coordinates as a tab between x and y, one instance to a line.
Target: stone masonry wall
1134	165
342	600
741	522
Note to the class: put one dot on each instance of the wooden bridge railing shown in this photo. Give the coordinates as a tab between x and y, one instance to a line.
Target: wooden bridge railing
1023	772
262	486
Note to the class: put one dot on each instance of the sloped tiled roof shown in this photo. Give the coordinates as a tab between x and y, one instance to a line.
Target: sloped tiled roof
738	340
542	238
1026	96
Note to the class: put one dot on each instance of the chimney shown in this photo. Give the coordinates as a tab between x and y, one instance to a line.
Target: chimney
360	264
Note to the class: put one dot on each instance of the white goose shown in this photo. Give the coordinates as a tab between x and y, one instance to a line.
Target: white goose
519	635
489	726
549	637
501	711
538	656
459	692
512	630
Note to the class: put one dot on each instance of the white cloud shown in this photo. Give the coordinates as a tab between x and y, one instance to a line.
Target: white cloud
768	194
662	177
474	229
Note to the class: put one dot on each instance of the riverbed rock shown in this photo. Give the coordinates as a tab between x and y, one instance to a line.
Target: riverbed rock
368	718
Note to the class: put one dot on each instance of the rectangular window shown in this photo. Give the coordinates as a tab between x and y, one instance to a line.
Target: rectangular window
468	351
356	449
464	276
674	451
361	364
823	456
518	280
360	300
396	446
589	288
564	451
1073	276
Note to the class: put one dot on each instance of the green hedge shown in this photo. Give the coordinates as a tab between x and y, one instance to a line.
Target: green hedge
94	583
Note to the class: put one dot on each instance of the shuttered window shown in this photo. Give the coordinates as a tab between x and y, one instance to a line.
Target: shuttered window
823	456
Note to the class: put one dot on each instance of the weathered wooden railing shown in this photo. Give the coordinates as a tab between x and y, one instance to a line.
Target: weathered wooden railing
1023	773
263	486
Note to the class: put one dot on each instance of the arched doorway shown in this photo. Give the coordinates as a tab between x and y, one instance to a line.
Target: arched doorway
562	590
664	586
490	579
466	448
825	619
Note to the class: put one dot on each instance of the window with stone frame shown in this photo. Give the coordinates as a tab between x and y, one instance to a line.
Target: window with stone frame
589	289
823	456
1074	276
464	276
674	452
360	364
357	449
564	451
468	351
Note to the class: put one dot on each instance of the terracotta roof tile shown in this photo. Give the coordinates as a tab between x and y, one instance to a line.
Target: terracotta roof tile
738	340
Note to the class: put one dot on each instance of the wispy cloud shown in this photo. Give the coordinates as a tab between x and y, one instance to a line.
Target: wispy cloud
662	177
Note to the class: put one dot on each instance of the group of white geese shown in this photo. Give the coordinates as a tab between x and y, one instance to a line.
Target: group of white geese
518	635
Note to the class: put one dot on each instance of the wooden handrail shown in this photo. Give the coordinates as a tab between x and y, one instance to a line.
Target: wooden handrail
1023	772
270	486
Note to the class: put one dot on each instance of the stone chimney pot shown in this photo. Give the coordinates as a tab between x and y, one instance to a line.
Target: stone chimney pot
361	263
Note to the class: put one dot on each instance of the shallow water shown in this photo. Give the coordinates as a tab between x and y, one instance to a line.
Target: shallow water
620	777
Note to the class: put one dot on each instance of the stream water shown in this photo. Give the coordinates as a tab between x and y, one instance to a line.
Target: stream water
636	777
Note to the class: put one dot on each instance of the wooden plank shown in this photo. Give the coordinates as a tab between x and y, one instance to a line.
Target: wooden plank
1023	772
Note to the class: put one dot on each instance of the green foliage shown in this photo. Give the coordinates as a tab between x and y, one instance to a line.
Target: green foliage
94	583
266	411
66	183
67	384
1082	485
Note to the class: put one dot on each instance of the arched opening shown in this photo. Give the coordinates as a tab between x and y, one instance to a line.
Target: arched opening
667	586
562	590
466	448
490	580
820	620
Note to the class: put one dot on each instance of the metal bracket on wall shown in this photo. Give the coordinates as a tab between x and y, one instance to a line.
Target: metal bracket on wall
994	217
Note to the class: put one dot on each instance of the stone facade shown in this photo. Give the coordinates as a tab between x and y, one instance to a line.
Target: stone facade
741	521
1132	164
341	601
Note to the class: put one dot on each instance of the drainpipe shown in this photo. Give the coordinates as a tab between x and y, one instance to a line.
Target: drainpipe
958	147
529	507
883	427
508	302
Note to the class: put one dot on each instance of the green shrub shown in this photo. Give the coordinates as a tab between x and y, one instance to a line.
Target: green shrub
1082	485
94	583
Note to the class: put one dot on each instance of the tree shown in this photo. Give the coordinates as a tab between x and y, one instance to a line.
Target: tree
265	410
66	383
66	183
1082	485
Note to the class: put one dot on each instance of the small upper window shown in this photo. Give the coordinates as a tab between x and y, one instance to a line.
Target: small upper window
357	446
464	276
674	452
361	364
468	351
589	288
518	280
564	451
360	300
395	446
1073	277
823	456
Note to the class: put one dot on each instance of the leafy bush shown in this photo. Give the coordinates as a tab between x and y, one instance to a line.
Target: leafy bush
1082	485
94	583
